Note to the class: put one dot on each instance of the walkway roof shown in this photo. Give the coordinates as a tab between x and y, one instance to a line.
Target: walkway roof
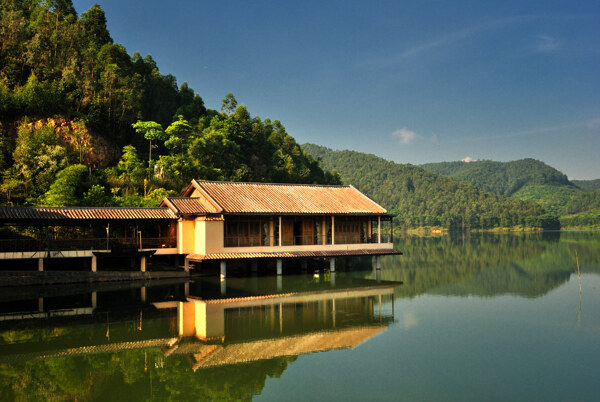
32	215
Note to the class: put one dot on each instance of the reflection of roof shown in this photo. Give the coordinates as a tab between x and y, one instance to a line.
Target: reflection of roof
290	254
90	350
207	355
269	198
87	214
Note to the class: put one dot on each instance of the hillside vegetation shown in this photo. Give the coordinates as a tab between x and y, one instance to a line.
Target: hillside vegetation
504	178
82	122
531	180
421	198
587	185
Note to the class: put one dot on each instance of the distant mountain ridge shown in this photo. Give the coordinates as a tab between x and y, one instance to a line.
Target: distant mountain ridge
422	198
504	178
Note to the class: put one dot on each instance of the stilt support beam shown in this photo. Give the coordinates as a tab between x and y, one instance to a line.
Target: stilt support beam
332	264
279	266
94	263
143	264
40	264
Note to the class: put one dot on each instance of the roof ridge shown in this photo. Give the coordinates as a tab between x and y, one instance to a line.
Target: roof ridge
80	207
273	184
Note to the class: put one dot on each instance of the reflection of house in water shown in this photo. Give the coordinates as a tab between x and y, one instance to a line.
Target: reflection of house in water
304	317
255	328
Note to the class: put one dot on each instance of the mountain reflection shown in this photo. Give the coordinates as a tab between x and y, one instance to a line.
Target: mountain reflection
186	341
489	264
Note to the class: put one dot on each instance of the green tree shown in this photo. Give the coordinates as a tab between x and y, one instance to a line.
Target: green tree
228	104
128	176
68	189
179	133
152	131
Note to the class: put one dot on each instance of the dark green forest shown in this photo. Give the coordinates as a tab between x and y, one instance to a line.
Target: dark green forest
82	122
503	178
587	185
420	198
577	202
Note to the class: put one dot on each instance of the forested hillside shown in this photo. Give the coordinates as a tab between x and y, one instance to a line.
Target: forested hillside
576	202
504	178
422	198
83	122
587	185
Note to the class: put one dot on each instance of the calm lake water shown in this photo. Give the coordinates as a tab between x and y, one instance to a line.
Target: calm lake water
477	317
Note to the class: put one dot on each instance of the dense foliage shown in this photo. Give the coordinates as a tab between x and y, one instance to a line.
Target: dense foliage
84	123
421	198
531	180
504	178
587	185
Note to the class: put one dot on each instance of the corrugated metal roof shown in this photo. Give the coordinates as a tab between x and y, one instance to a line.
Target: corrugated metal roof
269	198
191	205
58	214
288	254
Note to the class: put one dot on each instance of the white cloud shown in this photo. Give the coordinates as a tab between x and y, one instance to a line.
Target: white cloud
468	159
546	44
405	136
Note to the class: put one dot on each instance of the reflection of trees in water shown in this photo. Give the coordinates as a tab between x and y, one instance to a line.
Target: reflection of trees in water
134	375
487	264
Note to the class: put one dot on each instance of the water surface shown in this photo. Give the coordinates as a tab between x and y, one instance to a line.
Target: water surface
478	317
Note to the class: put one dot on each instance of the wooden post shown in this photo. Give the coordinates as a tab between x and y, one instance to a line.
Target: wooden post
332	264
143	294
94	300
143	264
379	229
279	266
280	232
186	265
94	263
332	230
40	264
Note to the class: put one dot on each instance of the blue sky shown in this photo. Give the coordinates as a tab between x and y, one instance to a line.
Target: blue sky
413	82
